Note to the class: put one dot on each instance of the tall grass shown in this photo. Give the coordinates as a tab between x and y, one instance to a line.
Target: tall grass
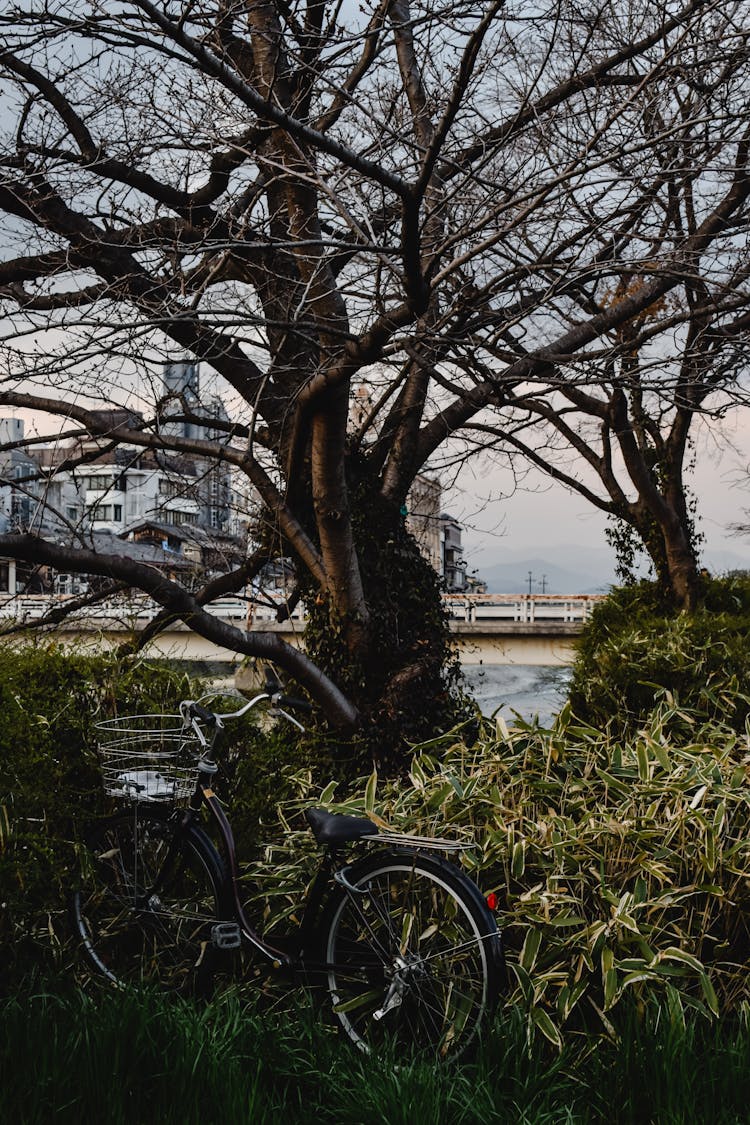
130	1057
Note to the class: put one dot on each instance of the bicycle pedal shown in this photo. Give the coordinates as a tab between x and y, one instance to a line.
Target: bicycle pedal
226	935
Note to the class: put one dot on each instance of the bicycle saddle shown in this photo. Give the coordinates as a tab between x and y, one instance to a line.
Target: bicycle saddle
335	828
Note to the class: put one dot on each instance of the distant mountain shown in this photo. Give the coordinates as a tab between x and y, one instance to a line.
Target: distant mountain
513	578
577	570
722	560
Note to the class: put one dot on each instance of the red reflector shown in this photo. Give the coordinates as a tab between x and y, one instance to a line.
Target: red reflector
492	900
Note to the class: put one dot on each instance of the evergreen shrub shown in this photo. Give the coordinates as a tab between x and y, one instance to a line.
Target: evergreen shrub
624	865
49	700
635	650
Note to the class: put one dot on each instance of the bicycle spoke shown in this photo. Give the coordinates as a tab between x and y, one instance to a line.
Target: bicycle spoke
408	960
131	931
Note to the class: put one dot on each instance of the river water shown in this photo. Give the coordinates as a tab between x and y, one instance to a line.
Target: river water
526	689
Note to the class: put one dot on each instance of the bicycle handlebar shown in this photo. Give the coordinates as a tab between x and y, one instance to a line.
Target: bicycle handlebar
290	701
192	711
196	711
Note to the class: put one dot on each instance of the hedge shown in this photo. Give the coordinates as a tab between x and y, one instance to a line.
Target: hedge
636	650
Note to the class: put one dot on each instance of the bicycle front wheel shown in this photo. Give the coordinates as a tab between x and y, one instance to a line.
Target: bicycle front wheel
412	955
149	894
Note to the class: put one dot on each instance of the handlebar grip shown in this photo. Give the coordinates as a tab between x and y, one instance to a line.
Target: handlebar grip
294	704
202	713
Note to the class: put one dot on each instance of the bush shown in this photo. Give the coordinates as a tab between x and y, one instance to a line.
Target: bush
625	862
49	699
625	866
635	651
256	777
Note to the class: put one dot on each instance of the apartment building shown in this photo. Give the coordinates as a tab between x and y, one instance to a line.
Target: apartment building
174	505
423	517
439	535
156	501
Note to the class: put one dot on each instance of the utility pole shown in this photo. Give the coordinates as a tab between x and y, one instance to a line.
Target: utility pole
531	576
544	583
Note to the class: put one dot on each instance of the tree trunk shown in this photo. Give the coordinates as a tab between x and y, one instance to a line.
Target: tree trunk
681	567
669	545
403	674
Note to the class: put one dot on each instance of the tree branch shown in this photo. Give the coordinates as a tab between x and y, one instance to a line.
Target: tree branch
184	606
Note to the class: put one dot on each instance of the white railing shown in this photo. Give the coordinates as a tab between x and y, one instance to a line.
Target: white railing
266	613
525	608
137	610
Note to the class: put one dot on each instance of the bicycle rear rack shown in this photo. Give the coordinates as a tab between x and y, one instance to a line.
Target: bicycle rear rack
406	840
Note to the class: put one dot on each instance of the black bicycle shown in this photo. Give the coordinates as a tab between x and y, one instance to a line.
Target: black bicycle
402	942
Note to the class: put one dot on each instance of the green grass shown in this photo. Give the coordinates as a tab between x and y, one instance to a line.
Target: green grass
127	1057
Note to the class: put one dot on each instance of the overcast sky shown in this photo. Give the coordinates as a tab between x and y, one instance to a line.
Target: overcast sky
544	515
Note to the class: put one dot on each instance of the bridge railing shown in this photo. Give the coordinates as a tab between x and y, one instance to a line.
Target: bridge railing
136	610
526	608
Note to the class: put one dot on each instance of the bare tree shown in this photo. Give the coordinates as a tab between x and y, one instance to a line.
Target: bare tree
458	207
620	434
613	423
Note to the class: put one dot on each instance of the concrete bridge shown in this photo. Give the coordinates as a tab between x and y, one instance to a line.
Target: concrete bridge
519	628
489	628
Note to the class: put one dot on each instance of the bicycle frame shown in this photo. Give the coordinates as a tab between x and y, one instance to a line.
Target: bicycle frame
279	959
276	956
204	796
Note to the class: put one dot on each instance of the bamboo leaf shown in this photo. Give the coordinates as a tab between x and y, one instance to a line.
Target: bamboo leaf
371	997
370	788
530	949
661	755
700	794
709	994
610	988
674	954
518	861
547	1027
327	795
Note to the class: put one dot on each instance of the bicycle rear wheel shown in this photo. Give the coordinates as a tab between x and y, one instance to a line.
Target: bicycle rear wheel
413	955
148	896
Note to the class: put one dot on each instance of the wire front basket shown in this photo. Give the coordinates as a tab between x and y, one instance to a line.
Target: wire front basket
148	757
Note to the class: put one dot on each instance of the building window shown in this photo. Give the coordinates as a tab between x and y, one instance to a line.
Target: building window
179	518
107	512
94	484
102	482
172	488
